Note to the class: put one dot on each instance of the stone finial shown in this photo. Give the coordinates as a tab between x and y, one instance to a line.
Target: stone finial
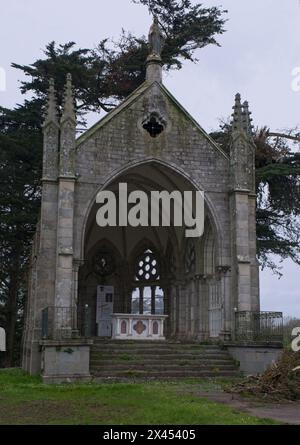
68	106
237	121
51	136
154	62
51	109
242	149
241	116
248	127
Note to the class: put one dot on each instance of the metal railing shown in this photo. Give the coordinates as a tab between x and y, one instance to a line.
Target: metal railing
259	326
66	322
85	321
58	322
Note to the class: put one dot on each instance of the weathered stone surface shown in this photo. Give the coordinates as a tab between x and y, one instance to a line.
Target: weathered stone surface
254	359
65	361
201	294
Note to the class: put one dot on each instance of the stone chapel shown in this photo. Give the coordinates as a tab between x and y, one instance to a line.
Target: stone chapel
139	285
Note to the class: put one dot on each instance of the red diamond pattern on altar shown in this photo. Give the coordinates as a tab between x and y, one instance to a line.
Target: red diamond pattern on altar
139	327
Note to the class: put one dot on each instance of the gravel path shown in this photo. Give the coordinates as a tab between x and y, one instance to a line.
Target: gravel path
288	413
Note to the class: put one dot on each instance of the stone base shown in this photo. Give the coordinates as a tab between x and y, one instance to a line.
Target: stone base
254	358
66	361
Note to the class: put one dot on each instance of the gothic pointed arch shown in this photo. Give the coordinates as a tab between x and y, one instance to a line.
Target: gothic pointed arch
154	164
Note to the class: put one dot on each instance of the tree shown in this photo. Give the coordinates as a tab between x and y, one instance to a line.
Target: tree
20	170
278	197
110	72
102	77
278	193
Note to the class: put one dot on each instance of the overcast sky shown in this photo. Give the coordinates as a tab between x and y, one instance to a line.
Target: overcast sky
259	51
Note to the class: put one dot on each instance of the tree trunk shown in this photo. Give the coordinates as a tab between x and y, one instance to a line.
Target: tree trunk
11	311
284	136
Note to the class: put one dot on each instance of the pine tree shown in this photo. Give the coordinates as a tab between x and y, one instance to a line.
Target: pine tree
102	77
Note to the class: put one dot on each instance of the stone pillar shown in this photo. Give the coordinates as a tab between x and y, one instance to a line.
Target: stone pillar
42	283
64	358
242	209
203	333
168	310
225	290
188	309
240	248
193	308
174	308
65	214
182	310
255	300
154	70
197	320
76	266
222	286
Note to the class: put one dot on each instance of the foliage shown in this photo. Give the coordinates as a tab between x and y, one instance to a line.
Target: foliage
110	72
187	27
102	77
278	194
152	403
281	381
278	198
20	172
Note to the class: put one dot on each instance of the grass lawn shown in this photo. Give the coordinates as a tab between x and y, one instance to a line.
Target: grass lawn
24	400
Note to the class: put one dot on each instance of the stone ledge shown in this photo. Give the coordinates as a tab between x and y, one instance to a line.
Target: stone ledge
66	378
67	342
248	344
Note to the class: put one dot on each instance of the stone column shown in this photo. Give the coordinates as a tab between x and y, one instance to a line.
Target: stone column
240	247
203	333
65	216
42	284
174	309
182	309
197	306
227	303
193	308
242	207
255	300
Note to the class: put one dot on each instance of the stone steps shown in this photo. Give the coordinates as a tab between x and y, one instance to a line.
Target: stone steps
133	359
157	359
153	356
123	344
165	367
163	374
154	351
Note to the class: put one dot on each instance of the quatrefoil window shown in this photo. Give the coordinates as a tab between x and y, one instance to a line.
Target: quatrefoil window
154	125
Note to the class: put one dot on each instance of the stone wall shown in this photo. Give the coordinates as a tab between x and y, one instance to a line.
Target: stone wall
254	358
113	148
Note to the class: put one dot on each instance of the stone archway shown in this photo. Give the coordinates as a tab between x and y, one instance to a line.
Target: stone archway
185	289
